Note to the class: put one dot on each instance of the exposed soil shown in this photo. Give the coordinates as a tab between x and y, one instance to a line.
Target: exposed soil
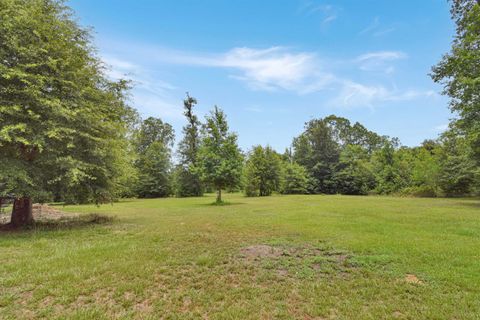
41	212
260	251
304	259
411	278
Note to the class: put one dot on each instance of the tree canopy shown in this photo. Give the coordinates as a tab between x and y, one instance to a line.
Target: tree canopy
459	71
220	157
63	122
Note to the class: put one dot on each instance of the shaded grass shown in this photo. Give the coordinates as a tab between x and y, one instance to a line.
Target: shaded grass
342	258
63	223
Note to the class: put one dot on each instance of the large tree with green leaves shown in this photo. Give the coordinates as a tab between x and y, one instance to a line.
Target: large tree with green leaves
458	170
154	140
354	174
459	71
262	171
62	122
319	147
220	159
187	179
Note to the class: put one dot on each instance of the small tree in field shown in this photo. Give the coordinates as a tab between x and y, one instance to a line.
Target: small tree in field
220	159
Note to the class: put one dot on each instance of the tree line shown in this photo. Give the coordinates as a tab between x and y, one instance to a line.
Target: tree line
331	156
68	134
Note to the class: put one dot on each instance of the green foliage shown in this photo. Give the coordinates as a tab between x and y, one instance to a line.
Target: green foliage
153	130
319	150
63	123
354	174
459	72
419	192
262	172
219	157
154	167
390	169
187	182
294	179
187	179
458	169
154	140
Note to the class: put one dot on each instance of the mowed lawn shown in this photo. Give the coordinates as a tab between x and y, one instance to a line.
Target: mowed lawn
279	257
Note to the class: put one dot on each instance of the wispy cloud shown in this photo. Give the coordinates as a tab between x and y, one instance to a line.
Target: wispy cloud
372	26
376	29
274	69
353	94
265	69
379	61
382	55
327	12
329	19
150	93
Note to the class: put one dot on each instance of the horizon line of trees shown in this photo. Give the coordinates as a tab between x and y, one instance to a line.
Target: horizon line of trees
68	134
331	156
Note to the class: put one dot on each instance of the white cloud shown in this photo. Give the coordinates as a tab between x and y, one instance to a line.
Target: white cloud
375	29
372	26
271	69
265	69
327	12
353	94
149	93
329	19
382	55
379	61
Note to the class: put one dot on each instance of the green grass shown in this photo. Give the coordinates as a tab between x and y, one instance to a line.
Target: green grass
333	257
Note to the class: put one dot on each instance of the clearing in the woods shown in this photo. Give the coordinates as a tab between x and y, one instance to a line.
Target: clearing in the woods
280	257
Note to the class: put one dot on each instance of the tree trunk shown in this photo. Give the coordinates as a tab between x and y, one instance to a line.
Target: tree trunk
22	212
219	195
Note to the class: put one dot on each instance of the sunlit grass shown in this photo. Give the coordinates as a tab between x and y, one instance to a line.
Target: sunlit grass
331	257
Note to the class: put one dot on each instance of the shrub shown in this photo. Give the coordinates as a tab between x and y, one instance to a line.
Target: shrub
419	191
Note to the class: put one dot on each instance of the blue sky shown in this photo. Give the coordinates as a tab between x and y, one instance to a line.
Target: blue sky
272	65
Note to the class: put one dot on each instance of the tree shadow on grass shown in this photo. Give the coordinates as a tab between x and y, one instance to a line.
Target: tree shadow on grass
222	204
64	223
472	204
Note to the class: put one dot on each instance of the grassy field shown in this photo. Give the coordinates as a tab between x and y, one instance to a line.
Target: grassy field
281	257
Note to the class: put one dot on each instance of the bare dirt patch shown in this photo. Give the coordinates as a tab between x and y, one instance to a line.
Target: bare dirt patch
40	212
260	251
46	212
302	260
411	278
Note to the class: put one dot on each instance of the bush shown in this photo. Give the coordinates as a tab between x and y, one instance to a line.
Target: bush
419	191
295	179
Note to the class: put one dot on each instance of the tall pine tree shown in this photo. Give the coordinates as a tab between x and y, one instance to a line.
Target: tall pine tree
187	179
